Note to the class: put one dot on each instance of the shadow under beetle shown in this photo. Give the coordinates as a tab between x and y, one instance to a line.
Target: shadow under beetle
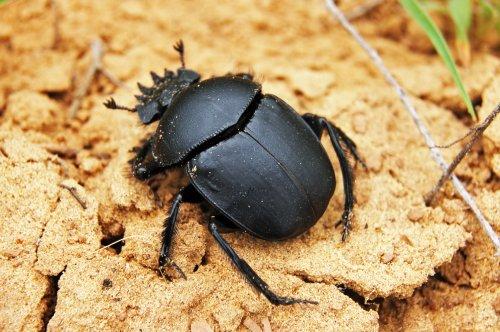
257	162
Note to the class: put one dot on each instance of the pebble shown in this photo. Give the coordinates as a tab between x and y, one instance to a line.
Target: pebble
387	256
359	123
416	214
252	325
201	326
374	162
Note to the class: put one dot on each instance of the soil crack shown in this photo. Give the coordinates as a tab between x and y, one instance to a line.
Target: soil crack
50	299
53	208
364	303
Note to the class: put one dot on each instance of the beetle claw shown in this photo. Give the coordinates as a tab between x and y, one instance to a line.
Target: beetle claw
168	262
111	104
291	300
346	230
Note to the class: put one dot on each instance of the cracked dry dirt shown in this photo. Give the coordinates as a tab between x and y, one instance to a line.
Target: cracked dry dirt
404	267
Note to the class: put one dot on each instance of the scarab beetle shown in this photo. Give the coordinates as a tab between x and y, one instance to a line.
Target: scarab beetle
258	163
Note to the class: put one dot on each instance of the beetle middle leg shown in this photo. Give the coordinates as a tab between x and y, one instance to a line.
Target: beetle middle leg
186	194
249	273
337	136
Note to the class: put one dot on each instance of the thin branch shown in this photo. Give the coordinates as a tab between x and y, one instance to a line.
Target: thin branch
477	133
96	66
362	9
97	50
54	7
113	79
73	191
436	154
62	151
471	131
126	238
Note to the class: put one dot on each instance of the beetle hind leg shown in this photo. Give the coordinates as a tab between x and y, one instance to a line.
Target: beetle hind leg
349	143
249	273
338	137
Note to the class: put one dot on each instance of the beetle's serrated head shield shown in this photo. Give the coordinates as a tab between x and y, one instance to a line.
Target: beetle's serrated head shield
154	100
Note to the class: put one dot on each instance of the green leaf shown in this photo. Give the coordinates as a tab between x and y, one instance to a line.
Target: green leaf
422	18
461	14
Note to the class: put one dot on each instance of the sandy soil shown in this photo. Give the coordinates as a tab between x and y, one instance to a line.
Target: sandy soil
66	189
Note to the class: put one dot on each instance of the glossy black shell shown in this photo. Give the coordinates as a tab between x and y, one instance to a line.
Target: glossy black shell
200	113
272	178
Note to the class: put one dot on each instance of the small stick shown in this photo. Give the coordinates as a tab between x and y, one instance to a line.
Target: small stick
95	67
112	78
3	152
62	151
471	131
477	133
362	9
96	48
435	153
57	31
75	194
123	240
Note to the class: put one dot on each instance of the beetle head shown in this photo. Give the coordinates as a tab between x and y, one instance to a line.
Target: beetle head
153	101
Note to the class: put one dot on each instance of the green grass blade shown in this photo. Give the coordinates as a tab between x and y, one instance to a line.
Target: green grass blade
420	16
461	14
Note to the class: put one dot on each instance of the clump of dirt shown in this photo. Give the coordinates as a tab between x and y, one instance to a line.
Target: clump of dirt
464	294
70	193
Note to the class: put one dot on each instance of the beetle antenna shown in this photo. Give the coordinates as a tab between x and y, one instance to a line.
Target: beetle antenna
179	47
111	104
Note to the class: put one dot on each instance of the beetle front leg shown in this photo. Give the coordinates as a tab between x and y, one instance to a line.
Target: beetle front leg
168	234
249	273
143	164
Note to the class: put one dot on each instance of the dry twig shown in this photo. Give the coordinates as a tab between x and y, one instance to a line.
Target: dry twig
436	154
362	9
62	151
97	50
73	191
471	131
54	7
476	133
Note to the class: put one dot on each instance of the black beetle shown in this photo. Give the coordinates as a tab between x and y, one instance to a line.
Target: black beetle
257	162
